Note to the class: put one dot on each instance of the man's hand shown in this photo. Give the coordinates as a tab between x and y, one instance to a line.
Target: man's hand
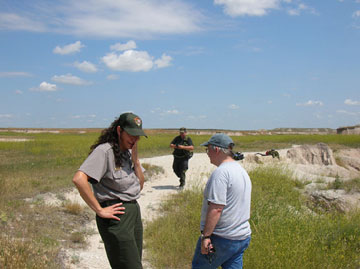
206	245
134	153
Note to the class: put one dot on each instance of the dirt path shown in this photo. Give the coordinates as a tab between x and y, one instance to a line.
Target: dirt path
154	192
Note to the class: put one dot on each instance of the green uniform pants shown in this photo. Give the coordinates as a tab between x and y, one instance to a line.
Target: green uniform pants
180	166
123	239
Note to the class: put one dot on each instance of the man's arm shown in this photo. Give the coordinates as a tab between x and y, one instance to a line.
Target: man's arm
212	218
189	148
173	146
173	143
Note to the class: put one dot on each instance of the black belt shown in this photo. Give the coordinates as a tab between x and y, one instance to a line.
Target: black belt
116	201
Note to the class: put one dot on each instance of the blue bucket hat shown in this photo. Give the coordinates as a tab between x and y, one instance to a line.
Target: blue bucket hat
220	140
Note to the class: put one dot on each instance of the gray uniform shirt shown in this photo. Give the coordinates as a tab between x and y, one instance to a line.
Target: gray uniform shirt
113	183
229	185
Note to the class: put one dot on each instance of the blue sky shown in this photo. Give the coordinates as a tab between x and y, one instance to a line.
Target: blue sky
224	64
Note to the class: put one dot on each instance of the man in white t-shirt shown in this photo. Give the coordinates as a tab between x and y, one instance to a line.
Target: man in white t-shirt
225	213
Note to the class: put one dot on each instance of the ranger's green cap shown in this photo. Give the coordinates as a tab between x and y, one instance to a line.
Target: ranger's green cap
132	124
182	130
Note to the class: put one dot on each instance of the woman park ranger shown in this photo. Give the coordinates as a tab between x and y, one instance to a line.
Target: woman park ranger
116	175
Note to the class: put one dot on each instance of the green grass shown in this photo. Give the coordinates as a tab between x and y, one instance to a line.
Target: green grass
286	234
352	185
47	163
175	233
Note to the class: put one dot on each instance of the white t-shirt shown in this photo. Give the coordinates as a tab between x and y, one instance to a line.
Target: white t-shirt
229	185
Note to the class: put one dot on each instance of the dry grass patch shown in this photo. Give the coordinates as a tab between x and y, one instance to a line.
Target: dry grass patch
73	208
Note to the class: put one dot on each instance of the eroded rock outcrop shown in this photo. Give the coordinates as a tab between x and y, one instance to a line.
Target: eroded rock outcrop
319	154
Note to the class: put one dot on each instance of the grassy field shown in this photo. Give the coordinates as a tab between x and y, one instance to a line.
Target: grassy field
285	232
33	233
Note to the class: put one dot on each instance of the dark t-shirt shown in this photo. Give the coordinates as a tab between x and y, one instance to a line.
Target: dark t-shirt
182	153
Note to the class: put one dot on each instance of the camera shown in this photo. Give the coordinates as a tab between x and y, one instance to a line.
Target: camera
238	156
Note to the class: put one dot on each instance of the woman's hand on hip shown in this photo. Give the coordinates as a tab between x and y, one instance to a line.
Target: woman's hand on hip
110	212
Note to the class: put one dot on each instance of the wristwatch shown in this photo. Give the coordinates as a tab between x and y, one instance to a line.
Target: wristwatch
203	237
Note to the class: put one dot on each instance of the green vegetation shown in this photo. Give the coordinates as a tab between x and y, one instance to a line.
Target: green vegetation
151	170
35	232
352	185
286	234
265	142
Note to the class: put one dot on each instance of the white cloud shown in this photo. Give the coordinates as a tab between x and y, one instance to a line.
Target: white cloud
112	77
235	8
130	60
45	87
70	79
193	117
247	7
15	74
12	21
18	92
351	102
347	113
117	19
6	116
89	117
133	60
233	106
164	61
310	103
69	49
191	50
86	66
162	112
356	14
297	10
288	95
173	111
121	47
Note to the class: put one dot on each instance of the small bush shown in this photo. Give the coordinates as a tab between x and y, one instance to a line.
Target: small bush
336	184
20	253
352	185
152	170
73	208
301	184
77	237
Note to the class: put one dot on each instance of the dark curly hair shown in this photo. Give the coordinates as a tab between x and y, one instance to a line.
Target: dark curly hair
110	135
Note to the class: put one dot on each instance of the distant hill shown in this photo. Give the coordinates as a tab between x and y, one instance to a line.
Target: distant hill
176	130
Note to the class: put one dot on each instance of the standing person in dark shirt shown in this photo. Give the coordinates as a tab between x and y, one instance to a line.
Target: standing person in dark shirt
182	146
